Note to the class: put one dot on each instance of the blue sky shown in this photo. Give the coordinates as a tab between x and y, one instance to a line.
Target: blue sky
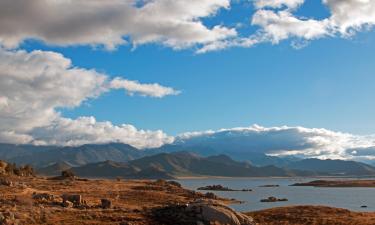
329	83
78	72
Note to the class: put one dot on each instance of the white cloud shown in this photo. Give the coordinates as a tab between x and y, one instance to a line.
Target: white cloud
134	87
176	24
33	85
278	26
86	130
299	141
291	4
347	17
112	22
277	21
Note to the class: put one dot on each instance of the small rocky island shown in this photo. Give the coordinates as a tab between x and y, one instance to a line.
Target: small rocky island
274	199
218	187
270	185
338	183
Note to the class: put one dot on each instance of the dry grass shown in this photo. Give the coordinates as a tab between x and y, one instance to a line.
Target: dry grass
311	215
130	200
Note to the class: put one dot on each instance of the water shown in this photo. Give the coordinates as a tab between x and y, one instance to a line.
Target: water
348	198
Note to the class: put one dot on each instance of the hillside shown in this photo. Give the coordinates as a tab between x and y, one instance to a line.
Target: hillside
185	163
171	165
54	169
41	156
253	157
110	169
333	167
195	160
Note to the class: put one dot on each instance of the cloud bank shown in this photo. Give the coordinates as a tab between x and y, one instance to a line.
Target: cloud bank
283	141
34	85
176	24
111	23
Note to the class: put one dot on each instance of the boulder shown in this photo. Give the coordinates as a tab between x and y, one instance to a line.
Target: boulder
216	213
106	204
67	204
75	199
43	197
199	212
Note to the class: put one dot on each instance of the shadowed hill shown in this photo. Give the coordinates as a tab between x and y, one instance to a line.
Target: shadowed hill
333	167
54	169
41	156
185	163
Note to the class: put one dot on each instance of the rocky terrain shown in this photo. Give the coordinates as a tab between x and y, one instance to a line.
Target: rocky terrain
311	215
67	199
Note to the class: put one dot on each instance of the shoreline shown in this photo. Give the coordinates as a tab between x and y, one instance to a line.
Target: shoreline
273	177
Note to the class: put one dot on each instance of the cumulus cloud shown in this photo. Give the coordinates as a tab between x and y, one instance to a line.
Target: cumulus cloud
176	24
112	22
291	4
347	17
86	130
277	21
277	26
282	141
34	85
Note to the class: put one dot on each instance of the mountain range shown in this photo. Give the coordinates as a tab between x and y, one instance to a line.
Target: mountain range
173	160
177	164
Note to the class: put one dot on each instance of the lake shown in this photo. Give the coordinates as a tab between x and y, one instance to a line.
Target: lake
349	198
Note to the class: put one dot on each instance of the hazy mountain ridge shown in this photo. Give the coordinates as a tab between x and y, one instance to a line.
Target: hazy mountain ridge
333	167
176	160
41	156
170	165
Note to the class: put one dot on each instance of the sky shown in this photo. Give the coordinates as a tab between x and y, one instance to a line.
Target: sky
144	72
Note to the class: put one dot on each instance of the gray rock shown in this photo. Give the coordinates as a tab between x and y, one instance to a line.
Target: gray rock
219	214
75	199
67	204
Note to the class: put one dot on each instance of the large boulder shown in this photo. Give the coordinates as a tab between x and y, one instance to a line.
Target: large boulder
209	211
200	213
77	200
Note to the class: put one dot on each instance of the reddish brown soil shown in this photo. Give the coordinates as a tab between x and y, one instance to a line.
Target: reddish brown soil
131	200
311	215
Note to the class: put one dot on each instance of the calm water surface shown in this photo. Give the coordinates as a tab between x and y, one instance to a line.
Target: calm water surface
349	198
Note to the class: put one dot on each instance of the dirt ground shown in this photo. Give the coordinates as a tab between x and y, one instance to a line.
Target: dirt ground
311	215
131	200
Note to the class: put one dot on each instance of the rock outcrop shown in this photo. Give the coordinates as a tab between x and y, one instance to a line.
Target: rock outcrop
210	211
43	197
274	199
77	200
200	213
